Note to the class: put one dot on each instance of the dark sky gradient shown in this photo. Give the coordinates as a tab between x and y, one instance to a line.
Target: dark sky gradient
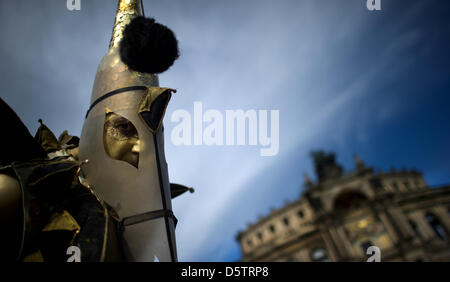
345	79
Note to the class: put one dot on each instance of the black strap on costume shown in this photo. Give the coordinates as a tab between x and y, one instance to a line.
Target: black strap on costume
115	92
135	219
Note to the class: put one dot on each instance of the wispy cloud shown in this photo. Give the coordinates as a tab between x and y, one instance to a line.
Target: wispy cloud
331	76
275	74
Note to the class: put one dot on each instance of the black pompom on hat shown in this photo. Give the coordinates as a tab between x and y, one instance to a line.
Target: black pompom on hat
148	46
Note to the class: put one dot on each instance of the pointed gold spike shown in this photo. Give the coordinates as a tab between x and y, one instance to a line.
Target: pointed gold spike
126	11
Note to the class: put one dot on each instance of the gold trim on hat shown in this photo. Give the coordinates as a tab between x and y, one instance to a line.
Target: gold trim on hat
126	11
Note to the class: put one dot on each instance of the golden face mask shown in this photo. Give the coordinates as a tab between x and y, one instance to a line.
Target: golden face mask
122	146
123	149
121	139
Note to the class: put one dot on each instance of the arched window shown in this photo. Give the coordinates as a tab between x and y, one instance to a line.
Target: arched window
349	200
259	234
436	225
319	255
272	228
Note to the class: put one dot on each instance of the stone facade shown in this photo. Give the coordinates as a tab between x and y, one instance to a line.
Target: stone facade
342	215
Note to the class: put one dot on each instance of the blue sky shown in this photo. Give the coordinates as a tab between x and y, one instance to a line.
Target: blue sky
343	78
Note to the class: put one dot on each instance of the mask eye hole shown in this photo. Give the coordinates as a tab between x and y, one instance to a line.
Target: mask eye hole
121	139
119	127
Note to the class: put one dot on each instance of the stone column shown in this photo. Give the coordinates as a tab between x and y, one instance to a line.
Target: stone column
444	217
401	221
332	252
424	228
350	251
389	227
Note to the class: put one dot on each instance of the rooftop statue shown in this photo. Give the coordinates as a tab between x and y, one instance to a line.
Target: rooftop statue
325	165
